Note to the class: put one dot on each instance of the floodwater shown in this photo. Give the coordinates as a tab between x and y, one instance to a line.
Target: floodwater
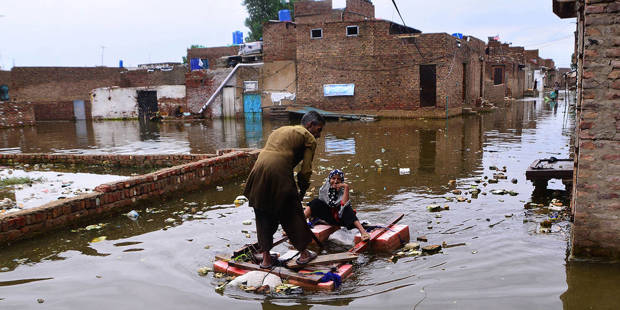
151	263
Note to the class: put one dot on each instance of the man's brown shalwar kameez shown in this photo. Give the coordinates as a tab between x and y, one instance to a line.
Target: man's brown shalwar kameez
271	188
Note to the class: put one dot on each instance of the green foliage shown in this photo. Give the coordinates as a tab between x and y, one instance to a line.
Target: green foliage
261	11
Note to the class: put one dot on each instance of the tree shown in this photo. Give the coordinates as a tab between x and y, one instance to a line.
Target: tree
261	11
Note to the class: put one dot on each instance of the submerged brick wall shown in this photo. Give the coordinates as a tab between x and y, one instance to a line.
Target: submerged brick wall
14	114
596	192
130	161
113	198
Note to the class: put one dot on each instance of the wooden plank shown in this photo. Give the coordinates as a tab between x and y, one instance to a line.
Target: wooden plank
325	260
256	246
280	272
362	246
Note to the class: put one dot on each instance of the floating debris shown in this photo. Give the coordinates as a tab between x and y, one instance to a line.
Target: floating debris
240	200
169	220
219	188
431	249
247	222
412	246
132	215
99	239
404	171
203	271
422	239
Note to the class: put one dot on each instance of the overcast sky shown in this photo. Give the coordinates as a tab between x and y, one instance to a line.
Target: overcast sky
72	32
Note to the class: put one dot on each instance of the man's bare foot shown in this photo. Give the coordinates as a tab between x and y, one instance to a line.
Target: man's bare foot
267	262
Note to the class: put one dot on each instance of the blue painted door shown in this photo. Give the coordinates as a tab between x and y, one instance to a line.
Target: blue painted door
251	103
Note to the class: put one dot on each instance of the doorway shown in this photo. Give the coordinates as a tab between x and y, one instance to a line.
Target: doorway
147	104
228	96
428	86
79	112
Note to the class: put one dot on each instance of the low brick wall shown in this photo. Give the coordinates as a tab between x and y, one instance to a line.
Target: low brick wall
116	197
130	161
494	93
16	114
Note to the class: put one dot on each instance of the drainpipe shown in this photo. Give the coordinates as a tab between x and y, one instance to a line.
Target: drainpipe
230	75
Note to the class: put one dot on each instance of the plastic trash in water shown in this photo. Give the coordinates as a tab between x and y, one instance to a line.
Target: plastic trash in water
219	188
378	162
404	171
133	215
240	200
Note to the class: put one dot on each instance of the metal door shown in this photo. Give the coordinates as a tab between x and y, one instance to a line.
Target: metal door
251	103
428	86
228	109
147	104
498	75
79	112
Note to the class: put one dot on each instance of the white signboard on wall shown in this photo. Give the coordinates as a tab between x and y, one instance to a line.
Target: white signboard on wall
330	90
250	86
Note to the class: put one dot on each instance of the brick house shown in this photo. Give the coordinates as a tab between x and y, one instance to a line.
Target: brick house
393	70
505	70
595	194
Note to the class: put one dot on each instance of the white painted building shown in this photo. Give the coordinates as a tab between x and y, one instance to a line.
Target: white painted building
116	102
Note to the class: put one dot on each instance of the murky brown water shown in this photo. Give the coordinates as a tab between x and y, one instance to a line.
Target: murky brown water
506	263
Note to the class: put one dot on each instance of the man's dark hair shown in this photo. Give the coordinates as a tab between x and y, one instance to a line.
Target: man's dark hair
311	118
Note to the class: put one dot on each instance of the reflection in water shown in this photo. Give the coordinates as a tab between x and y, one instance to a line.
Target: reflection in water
428	150
505	257
253	129
335	146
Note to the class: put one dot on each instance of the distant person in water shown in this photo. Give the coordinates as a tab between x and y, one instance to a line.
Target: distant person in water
334	205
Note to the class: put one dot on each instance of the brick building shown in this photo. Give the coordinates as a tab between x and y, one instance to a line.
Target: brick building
393	70
595	200
56	92
505	70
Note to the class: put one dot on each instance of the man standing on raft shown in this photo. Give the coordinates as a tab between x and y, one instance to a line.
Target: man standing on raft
271	188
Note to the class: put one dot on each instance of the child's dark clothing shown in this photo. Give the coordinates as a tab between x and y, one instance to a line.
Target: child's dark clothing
330	215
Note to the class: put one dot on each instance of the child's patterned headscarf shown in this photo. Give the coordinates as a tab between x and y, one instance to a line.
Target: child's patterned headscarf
338	173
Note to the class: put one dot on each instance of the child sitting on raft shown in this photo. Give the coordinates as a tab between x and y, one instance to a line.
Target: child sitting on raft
334	206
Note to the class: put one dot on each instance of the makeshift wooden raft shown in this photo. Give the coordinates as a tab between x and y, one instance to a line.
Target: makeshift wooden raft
385	239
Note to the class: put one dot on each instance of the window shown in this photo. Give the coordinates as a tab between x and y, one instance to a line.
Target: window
316	33
352	31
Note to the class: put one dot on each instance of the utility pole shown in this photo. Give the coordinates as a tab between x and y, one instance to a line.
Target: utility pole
102	50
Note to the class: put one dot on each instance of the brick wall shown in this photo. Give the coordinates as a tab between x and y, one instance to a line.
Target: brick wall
113	198
53	84
494	93
512	60
280	41
212	53
199	86
13	114
364	8
140	78
54	111
596	198
5	78
310	12
384	68
116	161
